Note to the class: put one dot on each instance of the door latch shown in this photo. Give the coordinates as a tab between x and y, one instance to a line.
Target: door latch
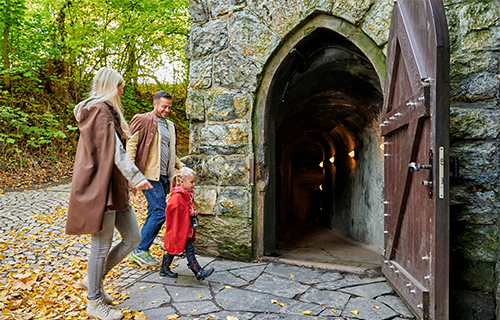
417	166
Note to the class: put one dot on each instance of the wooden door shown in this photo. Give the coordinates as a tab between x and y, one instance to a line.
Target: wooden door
415	126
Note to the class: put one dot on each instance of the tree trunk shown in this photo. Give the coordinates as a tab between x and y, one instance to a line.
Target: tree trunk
6	51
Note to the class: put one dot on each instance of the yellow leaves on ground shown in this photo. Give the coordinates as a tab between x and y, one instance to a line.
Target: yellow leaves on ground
281	304
172	316
228	287
292	276
355	312
200	296
48	287
307	312
376	307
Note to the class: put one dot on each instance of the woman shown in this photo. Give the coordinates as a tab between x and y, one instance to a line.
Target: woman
99	192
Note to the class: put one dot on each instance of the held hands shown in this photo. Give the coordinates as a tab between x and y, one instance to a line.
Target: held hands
143	185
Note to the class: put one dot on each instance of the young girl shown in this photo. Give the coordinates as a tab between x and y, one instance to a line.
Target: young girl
179	234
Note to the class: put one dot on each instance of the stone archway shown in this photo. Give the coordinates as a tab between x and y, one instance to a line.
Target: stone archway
319	104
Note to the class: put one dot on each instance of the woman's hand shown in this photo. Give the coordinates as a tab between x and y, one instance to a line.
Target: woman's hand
143	185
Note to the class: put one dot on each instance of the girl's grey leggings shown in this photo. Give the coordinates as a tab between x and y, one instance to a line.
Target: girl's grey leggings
101	259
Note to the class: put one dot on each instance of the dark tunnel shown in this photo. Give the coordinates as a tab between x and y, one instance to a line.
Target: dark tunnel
325	101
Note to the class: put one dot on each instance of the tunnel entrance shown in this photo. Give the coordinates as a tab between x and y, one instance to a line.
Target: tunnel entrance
323	106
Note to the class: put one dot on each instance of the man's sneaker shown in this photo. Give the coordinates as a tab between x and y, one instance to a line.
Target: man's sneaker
143	258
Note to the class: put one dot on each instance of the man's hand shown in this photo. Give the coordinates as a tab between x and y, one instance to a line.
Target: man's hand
144	184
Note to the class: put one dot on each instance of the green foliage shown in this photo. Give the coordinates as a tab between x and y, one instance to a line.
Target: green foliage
52	48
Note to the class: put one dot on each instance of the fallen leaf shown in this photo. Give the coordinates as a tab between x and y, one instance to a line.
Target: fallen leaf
193	310
231	318
334	311
281	304
199	296
172	316
228	287
354	312
307	312
376	307
274	301
292	276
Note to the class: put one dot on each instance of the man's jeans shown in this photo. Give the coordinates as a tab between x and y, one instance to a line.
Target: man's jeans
156	212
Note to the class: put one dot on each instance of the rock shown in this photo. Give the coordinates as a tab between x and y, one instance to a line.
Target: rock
252	39
211	37
475	242
198	9
200	73
232	71
235	202
225	105
195	105
478	162
351	10
377	21
232	138
205	200
477	207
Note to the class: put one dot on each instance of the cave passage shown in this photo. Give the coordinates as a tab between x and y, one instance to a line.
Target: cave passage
325	102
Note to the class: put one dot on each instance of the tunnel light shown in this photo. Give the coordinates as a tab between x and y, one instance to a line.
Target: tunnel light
332	159
351	154
321	164
321	187
382	146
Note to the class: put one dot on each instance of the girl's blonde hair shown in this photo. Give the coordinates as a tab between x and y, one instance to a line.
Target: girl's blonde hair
181	174
105	87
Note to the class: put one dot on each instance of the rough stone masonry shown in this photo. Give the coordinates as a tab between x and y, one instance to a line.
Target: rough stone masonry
231	42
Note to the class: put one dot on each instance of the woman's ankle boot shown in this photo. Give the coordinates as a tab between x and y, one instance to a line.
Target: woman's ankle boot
199	272
165	267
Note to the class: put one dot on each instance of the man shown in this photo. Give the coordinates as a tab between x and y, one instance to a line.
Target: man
152	148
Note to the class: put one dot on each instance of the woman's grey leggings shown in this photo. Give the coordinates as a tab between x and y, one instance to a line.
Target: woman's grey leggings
101	259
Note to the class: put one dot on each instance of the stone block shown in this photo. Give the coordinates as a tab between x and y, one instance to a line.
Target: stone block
205	199
351	10
472	275
227	236
223	7
225	105
233	71
200	73
250	37
377	21
478	162
199	10
194	137
284	15
475	242
235	202
226	171
195	105
209	38
472	206
225	139
478	25
473	123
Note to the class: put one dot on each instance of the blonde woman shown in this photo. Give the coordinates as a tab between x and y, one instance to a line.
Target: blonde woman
99	199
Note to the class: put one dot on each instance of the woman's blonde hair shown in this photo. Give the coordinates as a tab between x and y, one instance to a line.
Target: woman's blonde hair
181	174
105	86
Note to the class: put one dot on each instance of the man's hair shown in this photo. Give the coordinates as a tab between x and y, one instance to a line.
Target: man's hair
162	94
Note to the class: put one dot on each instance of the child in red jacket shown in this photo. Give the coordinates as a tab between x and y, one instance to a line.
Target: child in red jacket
180	232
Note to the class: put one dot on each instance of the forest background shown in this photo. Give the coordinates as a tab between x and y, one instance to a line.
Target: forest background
50	51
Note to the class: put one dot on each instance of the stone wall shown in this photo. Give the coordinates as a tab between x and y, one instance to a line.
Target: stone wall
231	42
474	131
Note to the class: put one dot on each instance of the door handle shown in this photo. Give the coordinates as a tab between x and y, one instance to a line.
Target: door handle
417	166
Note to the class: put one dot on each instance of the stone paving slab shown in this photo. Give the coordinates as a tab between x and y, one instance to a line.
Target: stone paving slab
348	281
366	309
277	286
397	305
331	299
227	278
249	273
245	300
146	296
371	290
302	274
195	307
182	294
